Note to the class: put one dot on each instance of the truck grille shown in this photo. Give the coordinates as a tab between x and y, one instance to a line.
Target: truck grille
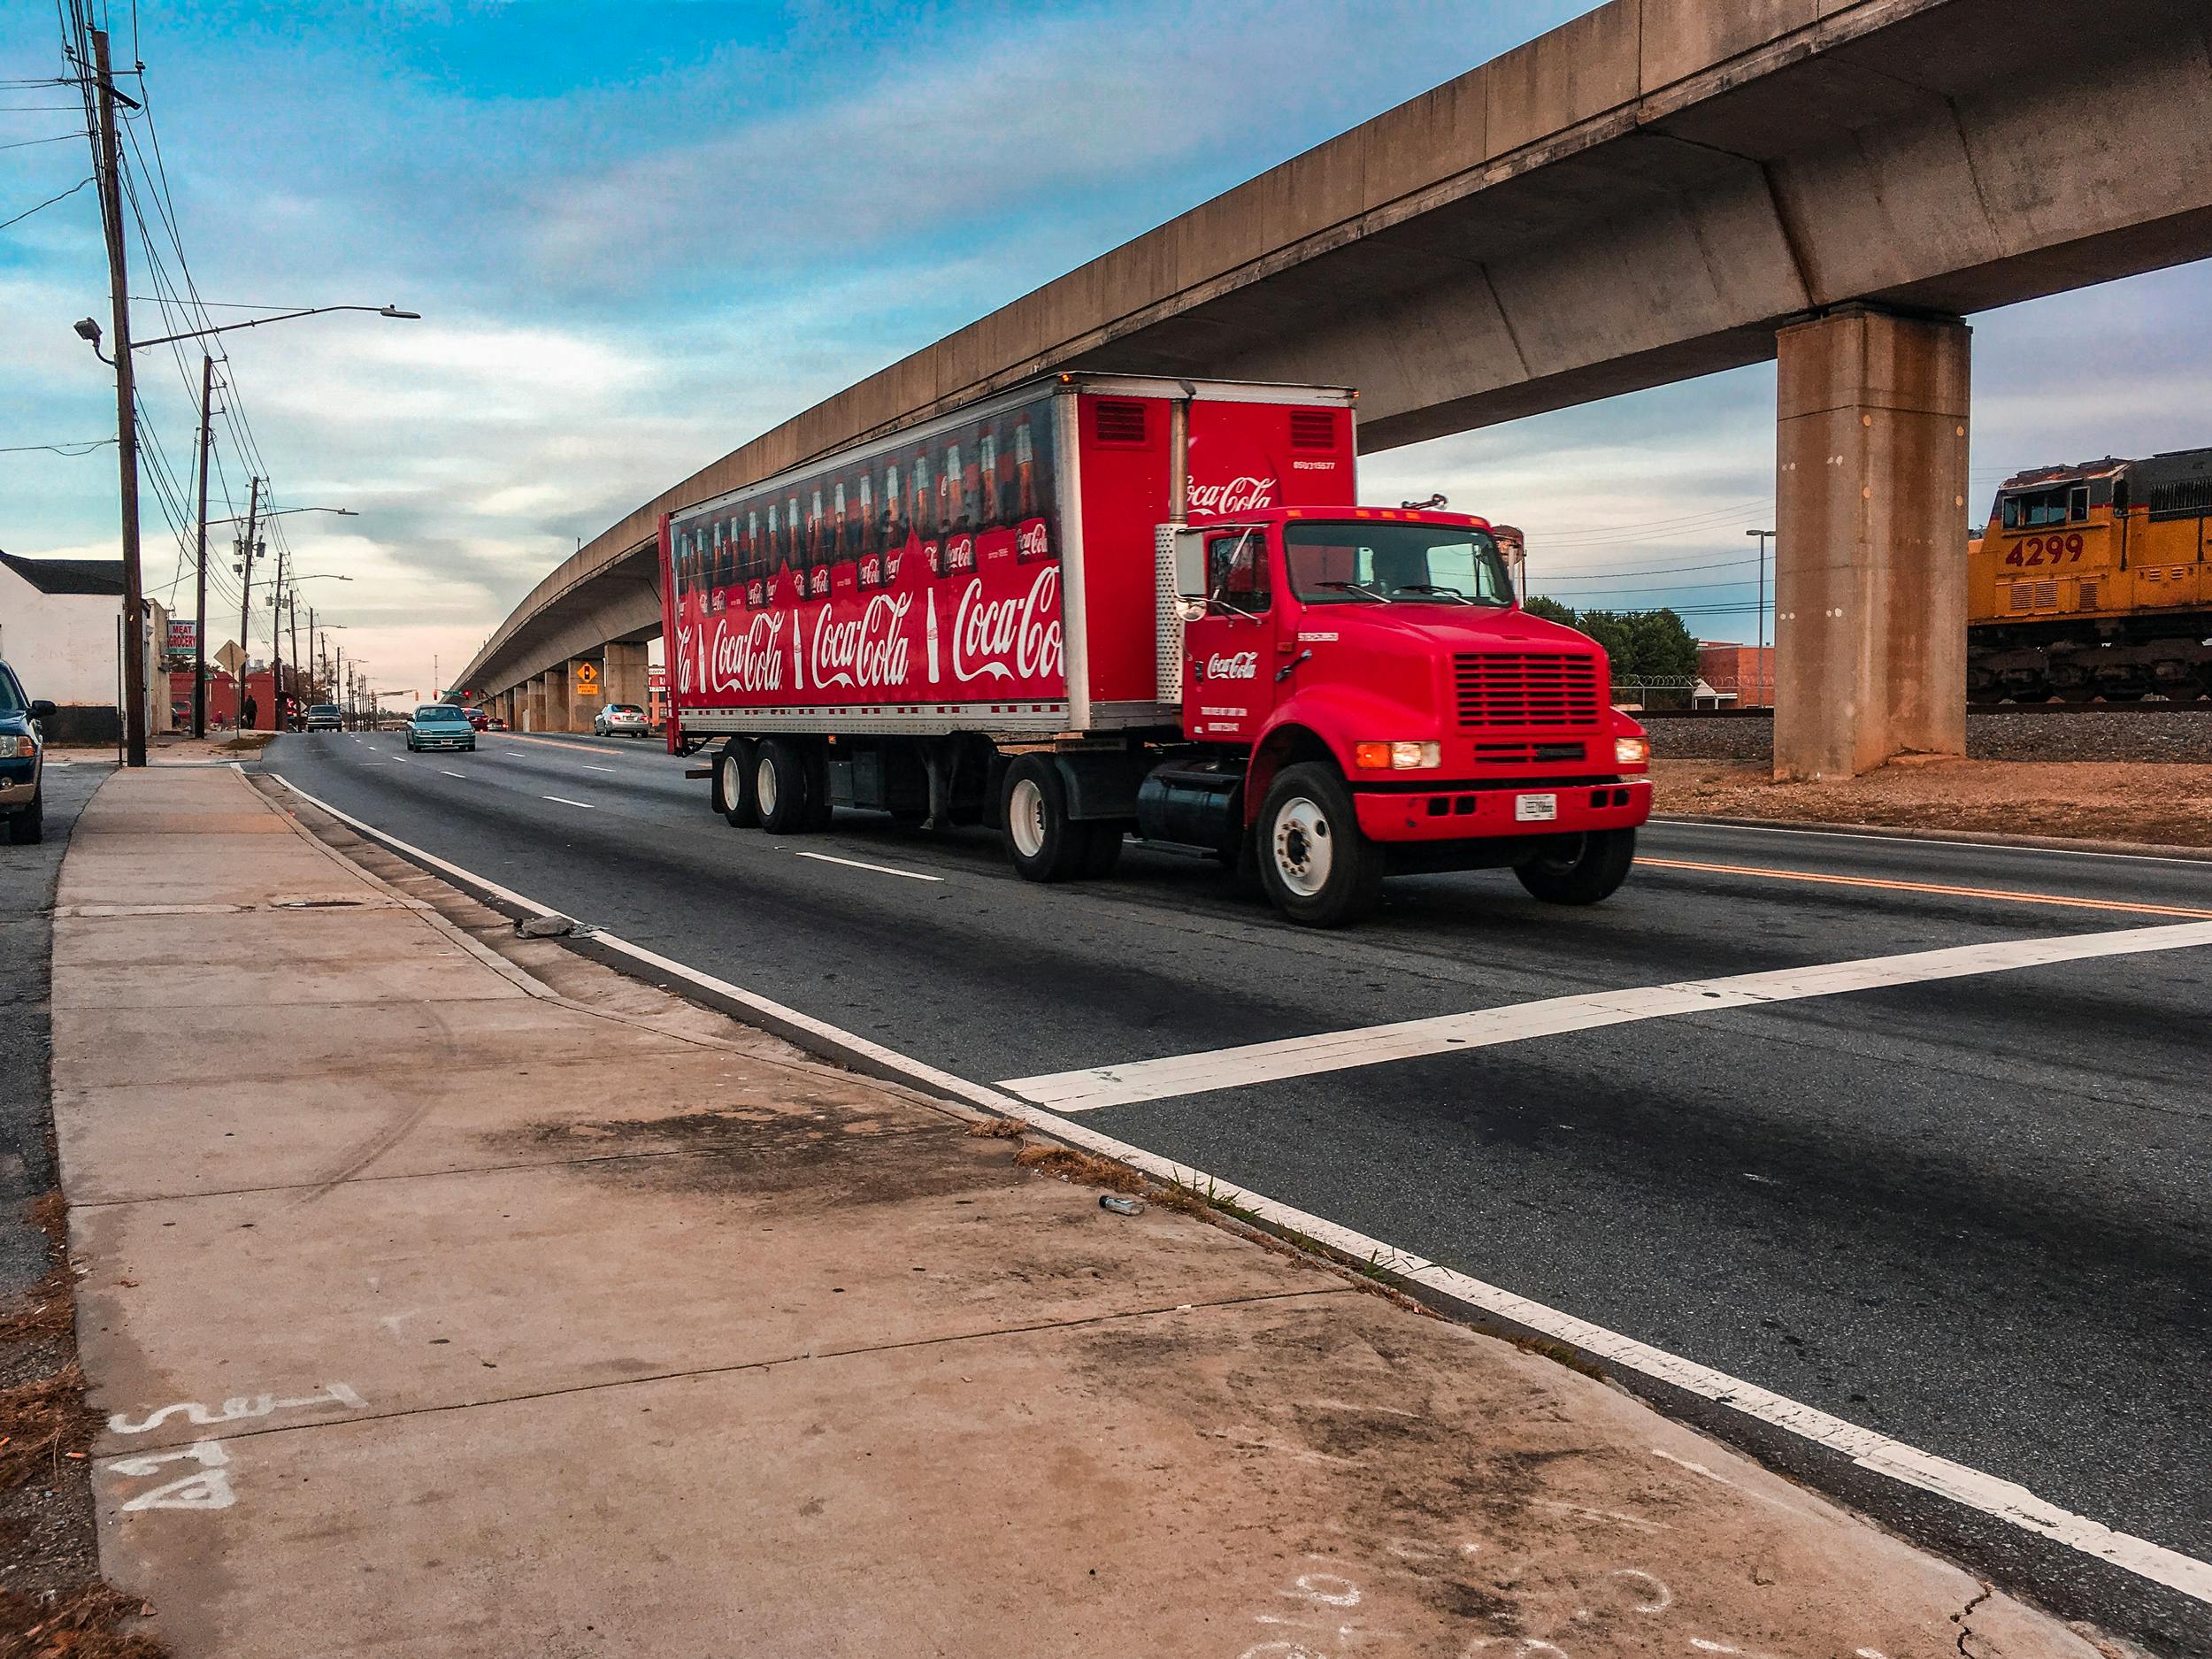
1527	688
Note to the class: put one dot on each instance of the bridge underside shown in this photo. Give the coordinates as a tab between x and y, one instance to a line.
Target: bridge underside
1661	189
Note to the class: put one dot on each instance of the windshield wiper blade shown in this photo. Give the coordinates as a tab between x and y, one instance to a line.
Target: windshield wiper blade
1354	588
1430	587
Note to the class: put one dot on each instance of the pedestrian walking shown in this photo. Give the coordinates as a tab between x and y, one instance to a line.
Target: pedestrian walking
249	714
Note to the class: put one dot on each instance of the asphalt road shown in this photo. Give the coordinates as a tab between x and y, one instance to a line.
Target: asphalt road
27	875
1971	1213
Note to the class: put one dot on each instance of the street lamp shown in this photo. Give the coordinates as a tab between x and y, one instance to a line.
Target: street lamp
127	444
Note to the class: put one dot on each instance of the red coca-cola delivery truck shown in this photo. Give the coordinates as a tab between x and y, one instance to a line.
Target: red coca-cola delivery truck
1101	605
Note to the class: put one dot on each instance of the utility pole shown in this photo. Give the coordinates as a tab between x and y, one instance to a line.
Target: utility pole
276	641
199	608
245	594
292	613
315	673
1759	654
108	164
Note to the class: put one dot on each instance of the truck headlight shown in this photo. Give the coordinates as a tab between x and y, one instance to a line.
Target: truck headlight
18	748
1631	751
1403	757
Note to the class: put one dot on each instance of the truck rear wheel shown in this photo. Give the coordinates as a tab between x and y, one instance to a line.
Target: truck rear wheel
1580	869
779	787
733	796
1044	842
1316	866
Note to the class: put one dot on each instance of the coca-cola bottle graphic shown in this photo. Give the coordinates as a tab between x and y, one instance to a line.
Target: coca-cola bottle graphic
918	503
975	483
894	527
949	491
775	537
989	503
1026	468
929	634
866	521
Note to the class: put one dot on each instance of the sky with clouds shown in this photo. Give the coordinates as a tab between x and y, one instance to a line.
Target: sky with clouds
639	233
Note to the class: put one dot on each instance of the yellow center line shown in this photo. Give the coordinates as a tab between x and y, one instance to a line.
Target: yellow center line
2009	894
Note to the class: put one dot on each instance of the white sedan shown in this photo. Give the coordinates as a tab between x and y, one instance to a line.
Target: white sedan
620	720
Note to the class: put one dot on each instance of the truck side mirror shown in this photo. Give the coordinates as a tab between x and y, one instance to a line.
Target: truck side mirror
1190	566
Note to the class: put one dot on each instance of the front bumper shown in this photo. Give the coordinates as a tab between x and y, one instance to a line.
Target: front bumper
1472	812
443	743
18	780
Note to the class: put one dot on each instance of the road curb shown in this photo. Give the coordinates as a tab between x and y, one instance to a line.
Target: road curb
1970	838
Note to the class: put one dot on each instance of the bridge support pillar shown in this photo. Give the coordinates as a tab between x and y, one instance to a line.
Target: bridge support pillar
553	688
1870	579
624	676
531	693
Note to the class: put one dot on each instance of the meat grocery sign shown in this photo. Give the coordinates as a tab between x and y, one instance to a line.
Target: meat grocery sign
964	618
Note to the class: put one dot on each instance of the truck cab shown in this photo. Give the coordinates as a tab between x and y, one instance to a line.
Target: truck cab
1368	697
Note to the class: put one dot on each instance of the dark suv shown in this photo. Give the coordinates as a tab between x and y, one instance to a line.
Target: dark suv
22	755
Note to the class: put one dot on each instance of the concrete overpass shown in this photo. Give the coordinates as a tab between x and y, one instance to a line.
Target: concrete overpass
1659	189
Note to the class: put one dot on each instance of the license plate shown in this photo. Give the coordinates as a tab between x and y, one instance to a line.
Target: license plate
1535	809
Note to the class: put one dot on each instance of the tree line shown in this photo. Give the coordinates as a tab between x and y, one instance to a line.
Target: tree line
1644	645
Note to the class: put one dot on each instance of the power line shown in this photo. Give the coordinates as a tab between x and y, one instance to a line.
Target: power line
74	447
49	202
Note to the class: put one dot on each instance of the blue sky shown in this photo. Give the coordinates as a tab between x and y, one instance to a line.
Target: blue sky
640	234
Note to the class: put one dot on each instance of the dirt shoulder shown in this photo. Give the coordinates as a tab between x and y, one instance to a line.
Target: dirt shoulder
2167	805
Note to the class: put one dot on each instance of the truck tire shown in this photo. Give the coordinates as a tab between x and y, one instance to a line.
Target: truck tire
733	795
779	787
819	813
1316	866
1043	842
1104	851
27	828
1580	869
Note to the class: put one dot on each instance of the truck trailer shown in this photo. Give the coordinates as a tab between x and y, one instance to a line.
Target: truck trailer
1096	606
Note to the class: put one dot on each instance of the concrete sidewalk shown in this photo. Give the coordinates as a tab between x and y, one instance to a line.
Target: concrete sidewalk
447	1299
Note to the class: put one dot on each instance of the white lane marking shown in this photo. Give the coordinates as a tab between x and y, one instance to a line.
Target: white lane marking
1095	1087
854	864
453	774
589	767
564	800
1731	828
2000	1500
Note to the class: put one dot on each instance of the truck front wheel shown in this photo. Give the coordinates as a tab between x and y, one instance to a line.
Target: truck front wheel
1580	869
1043	842
1316	866
779	787
733	796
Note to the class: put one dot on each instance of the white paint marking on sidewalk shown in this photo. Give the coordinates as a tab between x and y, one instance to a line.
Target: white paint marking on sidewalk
564	800
854	864
1095	1087
1986	1495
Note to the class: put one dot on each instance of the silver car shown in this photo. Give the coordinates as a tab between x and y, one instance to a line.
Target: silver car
620	720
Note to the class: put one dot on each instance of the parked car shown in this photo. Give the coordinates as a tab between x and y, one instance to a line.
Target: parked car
620	720
480	719
22	760
324	717
441	725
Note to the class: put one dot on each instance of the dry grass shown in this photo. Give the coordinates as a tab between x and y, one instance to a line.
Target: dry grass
46	1312
43	1421
999	1128
1071	1165
78	1625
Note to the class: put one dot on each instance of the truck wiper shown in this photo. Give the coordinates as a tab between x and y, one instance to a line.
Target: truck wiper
1430	587
1355	587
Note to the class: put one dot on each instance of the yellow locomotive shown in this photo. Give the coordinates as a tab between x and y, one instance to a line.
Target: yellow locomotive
2094	581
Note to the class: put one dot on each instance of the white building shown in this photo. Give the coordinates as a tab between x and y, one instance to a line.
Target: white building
60	620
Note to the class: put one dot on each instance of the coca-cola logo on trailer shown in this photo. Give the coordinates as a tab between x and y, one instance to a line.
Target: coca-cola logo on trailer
1242	493
1015	638
864	651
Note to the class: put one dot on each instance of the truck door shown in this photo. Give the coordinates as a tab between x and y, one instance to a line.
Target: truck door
1229	653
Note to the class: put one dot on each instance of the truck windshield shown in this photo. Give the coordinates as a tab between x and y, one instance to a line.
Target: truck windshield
1395	563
